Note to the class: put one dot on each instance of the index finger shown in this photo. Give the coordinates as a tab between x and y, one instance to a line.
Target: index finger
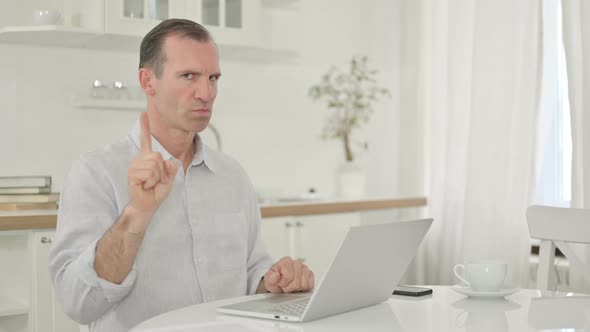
145	135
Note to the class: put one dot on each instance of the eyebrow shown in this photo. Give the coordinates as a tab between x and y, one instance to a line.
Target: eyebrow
188	71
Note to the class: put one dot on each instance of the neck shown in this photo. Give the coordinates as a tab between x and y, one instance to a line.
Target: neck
179	143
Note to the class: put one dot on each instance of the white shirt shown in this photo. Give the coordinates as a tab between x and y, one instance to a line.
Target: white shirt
202	244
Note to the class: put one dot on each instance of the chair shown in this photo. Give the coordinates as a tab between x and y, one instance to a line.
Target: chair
557	227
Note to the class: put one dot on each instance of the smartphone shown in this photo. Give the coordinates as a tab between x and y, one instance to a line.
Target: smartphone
411	291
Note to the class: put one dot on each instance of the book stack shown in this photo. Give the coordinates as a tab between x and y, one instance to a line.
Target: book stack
27	192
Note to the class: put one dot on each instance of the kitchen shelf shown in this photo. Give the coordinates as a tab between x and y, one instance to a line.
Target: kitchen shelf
12	307
80	38
69	37
109	104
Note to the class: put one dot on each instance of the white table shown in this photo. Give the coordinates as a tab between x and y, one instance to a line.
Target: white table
445	310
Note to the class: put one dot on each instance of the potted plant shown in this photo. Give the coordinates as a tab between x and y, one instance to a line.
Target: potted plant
350	95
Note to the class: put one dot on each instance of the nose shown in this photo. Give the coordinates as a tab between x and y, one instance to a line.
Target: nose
204	91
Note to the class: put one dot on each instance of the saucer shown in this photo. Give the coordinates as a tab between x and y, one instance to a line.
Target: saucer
465	290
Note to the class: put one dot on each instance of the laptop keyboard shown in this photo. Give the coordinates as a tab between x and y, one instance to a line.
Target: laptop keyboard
294	308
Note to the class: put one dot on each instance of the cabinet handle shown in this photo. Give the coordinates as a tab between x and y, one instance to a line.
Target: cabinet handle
46	240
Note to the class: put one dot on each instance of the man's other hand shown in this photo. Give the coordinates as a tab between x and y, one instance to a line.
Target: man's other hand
287	276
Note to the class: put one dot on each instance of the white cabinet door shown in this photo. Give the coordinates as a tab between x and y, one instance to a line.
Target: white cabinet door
311	239
231	22
14	281
321	236
42	293
276	236
47	314
137	17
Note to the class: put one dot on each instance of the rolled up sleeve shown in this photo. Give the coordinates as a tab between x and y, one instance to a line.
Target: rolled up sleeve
259	261
87	210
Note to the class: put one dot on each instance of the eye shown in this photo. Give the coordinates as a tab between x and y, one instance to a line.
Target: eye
188	76
214	78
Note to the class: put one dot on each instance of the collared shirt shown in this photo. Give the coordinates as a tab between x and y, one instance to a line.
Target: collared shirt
202	244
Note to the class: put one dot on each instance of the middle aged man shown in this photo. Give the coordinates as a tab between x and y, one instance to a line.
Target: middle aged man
157	220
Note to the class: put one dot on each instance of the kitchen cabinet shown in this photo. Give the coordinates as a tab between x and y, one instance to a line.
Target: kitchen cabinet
253	31
137	17
276	234
47	314
14	290
233	22
27	302
312	231
42	299
309	231
313	240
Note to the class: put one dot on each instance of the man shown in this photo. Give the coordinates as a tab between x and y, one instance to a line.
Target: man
158	221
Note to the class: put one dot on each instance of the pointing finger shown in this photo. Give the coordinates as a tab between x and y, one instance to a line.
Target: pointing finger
145	135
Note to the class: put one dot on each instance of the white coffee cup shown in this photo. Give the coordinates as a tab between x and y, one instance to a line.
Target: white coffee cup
483	276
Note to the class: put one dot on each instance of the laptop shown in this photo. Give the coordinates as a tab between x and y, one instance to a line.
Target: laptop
368	265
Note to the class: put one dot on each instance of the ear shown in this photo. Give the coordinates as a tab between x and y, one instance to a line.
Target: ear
146	80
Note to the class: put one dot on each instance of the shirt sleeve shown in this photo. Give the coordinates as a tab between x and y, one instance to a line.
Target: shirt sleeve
87	209
259	261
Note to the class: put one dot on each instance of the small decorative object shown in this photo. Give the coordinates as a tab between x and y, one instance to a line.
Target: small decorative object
351	96
119	91
46	17
98	89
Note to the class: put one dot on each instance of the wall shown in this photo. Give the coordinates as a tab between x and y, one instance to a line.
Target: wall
263	113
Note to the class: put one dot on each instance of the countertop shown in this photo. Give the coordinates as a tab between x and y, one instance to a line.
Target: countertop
46	219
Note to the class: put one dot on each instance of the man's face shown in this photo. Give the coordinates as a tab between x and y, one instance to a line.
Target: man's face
187	87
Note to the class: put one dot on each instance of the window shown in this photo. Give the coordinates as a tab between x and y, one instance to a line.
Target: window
554	142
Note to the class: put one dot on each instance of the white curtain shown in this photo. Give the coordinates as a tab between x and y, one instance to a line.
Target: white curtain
479	85
576	36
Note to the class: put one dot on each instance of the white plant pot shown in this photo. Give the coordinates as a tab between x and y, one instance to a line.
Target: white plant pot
350	180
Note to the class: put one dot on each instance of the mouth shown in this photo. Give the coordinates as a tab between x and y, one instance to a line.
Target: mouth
201	111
